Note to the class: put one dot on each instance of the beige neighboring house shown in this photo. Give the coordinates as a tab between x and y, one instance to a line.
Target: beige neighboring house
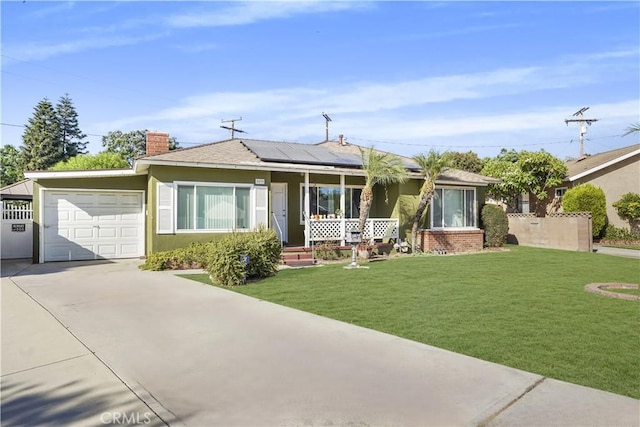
617	172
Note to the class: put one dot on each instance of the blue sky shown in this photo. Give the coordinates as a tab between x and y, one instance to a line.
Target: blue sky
401	76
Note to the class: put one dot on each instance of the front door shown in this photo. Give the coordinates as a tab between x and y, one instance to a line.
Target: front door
279	208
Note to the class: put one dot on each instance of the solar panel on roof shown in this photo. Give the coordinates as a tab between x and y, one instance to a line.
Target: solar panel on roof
301	154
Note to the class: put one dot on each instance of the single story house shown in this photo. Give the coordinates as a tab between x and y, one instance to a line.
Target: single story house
306	192
616	172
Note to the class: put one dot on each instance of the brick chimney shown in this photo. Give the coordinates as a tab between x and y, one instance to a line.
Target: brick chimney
157	143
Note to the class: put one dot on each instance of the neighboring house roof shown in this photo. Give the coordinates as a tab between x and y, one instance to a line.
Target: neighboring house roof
21	190
587	165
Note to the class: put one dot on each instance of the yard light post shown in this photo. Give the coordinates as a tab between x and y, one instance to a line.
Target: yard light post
353	237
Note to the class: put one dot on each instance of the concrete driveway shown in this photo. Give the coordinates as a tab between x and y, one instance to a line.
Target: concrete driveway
81	340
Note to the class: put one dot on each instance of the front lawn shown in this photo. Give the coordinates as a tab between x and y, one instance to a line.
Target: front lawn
525	308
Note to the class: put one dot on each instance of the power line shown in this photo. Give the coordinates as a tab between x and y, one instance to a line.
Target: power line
400	143
474	146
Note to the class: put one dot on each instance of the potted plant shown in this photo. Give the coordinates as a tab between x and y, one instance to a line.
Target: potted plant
365	250
338	213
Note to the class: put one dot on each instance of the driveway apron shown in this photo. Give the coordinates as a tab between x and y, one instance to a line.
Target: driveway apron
203	356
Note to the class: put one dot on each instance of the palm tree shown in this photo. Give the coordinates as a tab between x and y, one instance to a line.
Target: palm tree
379	168
431	166
632	129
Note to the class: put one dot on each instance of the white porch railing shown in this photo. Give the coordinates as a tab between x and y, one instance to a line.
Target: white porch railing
335	229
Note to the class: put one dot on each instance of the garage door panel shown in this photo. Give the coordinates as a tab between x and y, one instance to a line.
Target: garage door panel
82	200
131	217
80	233
107	250
91	225
130	250
82	216
107	232
129	232
107	199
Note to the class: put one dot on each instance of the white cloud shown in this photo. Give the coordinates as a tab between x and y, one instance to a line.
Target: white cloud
301	102
243	13
431	110
39	51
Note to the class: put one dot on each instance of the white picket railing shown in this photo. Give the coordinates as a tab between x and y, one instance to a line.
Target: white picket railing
335	229
17	210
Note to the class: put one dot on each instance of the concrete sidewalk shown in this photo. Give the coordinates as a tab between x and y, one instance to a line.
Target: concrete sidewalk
608	250
184	353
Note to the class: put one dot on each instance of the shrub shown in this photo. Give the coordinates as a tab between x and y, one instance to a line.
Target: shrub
193	256
587	198
496	225
613	233
226	260
628	207
328	250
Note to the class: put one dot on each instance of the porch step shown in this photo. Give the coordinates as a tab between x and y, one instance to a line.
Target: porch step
296	249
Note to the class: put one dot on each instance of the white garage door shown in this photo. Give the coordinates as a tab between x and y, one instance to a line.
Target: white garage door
81	225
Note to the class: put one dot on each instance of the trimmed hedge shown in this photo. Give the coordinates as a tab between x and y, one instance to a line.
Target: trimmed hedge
193	256
496	225
587	198
237	257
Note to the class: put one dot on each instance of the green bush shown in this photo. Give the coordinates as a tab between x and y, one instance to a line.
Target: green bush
628	207
613	233
328	250
587	198
226	260
496	225
193	256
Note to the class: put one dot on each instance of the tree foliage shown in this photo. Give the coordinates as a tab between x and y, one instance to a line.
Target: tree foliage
102	160
379	168
71	137
431	165
628	207
587	198
52	134
130	145
12	165
468	161
41	145
524	172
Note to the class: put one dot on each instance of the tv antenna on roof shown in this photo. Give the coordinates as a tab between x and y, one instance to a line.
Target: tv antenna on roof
327	119
581	122
233	126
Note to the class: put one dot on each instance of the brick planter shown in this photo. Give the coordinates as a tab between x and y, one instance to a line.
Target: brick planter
452	240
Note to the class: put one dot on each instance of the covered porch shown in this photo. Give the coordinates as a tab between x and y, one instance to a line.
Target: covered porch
324	206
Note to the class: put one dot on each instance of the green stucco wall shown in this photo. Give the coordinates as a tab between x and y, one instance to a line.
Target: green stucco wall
138	182
164	242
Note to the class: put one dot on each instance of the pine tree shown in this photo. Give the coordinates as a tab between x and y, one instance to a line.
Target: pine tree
70	134
41	144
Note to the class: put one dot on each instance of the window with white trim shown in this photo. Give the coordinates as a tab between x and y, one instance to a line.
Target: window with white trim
325	200
454	208
560	192
206	207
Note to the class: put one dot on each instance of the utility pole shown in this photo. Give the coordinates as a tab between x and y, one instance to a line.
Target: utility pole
233	126
581	123
327	119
